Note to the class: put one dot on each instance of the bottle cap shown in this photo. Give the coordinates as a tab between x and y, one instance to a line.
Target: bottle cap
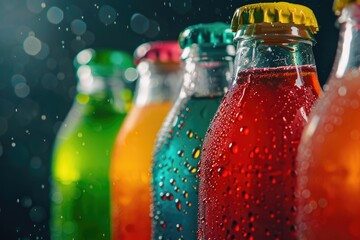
210	37
279	12
104	62
211	34
160	52
339	5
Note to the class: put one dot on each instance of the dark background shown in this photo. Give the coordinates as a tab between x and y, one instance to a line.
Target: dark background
38	40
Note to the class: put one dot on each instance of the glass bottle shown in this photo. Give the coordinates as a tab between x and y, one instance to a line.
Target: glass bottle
329	152
159	83
208	57
80	207
247	167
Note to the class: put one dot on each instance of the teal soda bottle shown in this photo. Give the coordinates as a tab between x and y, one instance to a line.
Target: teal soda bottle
208	57
80	195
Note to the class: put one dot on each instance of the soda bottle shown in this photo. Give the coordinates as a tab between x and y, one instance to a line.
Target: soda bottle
208	58
329	152
247	167
80	207
159	83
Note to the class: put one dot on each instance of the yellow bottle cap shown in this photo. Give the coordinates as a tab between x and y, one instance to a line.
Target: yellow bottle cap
340	4
279	12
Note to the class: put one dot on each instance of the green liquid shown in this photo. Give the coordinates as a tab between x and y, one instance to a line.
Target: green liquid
81	191
175	164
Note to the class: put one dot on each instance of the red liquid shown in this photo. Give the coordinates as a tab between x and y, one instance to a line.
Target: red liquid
247	176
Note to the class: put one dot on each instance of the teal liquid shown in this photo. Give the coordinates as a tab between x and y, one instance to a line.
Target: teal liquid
175	164
80	207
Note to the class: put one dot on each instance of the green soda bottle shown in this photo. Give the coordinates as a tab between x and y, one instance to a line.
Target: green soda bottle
80	206
208	56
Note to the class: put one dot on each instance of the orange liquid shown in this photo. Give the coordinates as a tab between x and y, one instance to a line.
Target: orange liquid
130	171
329	165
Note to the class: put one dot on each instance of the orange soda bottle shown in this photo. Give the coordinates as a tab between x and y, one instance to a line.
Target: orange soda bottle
328	163
159	84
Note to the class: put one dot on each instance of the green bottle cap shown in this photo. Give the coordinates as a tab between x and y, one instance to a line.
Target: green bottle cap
215	39
209	34
104	62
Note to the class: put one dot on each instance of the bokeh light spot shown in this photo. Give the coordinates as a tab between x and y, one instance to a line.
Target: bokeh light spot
131	74
107	14
153	29
78	27
35	163
22	90
139	23
17	78
37	214
55	15
32	45
26	202
34	6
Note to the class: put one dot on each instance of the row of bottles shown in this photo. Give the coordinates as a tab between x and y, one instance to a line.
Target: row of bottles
220	145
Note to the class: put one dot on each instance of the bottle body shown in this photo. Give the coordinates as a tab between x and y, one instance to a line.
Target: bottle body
158	85
247	168
80	197
175	164
249	155
328	160
178	147
135	143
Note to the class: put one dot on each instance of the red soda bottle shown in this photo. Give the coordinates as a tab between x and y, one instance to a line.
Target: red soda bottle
247	168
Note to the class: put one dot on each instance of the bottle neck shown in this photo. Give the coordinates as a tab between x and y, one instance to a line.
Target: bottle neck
101	93
273	45
158	82
207	76
348	50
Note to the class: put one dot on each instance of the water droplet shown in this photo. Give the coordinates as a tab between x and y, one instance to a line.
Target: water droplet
180	153
192	169
342	91
223	172
185	194
169	196
190	134
178	204
196	153
233	148
272	180
162	196
244	130
172	182
235	226
163	224
179	227
239	116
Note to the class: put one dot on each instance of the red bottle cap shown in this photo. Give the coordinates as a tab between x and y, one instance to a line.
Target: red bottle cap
161	52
